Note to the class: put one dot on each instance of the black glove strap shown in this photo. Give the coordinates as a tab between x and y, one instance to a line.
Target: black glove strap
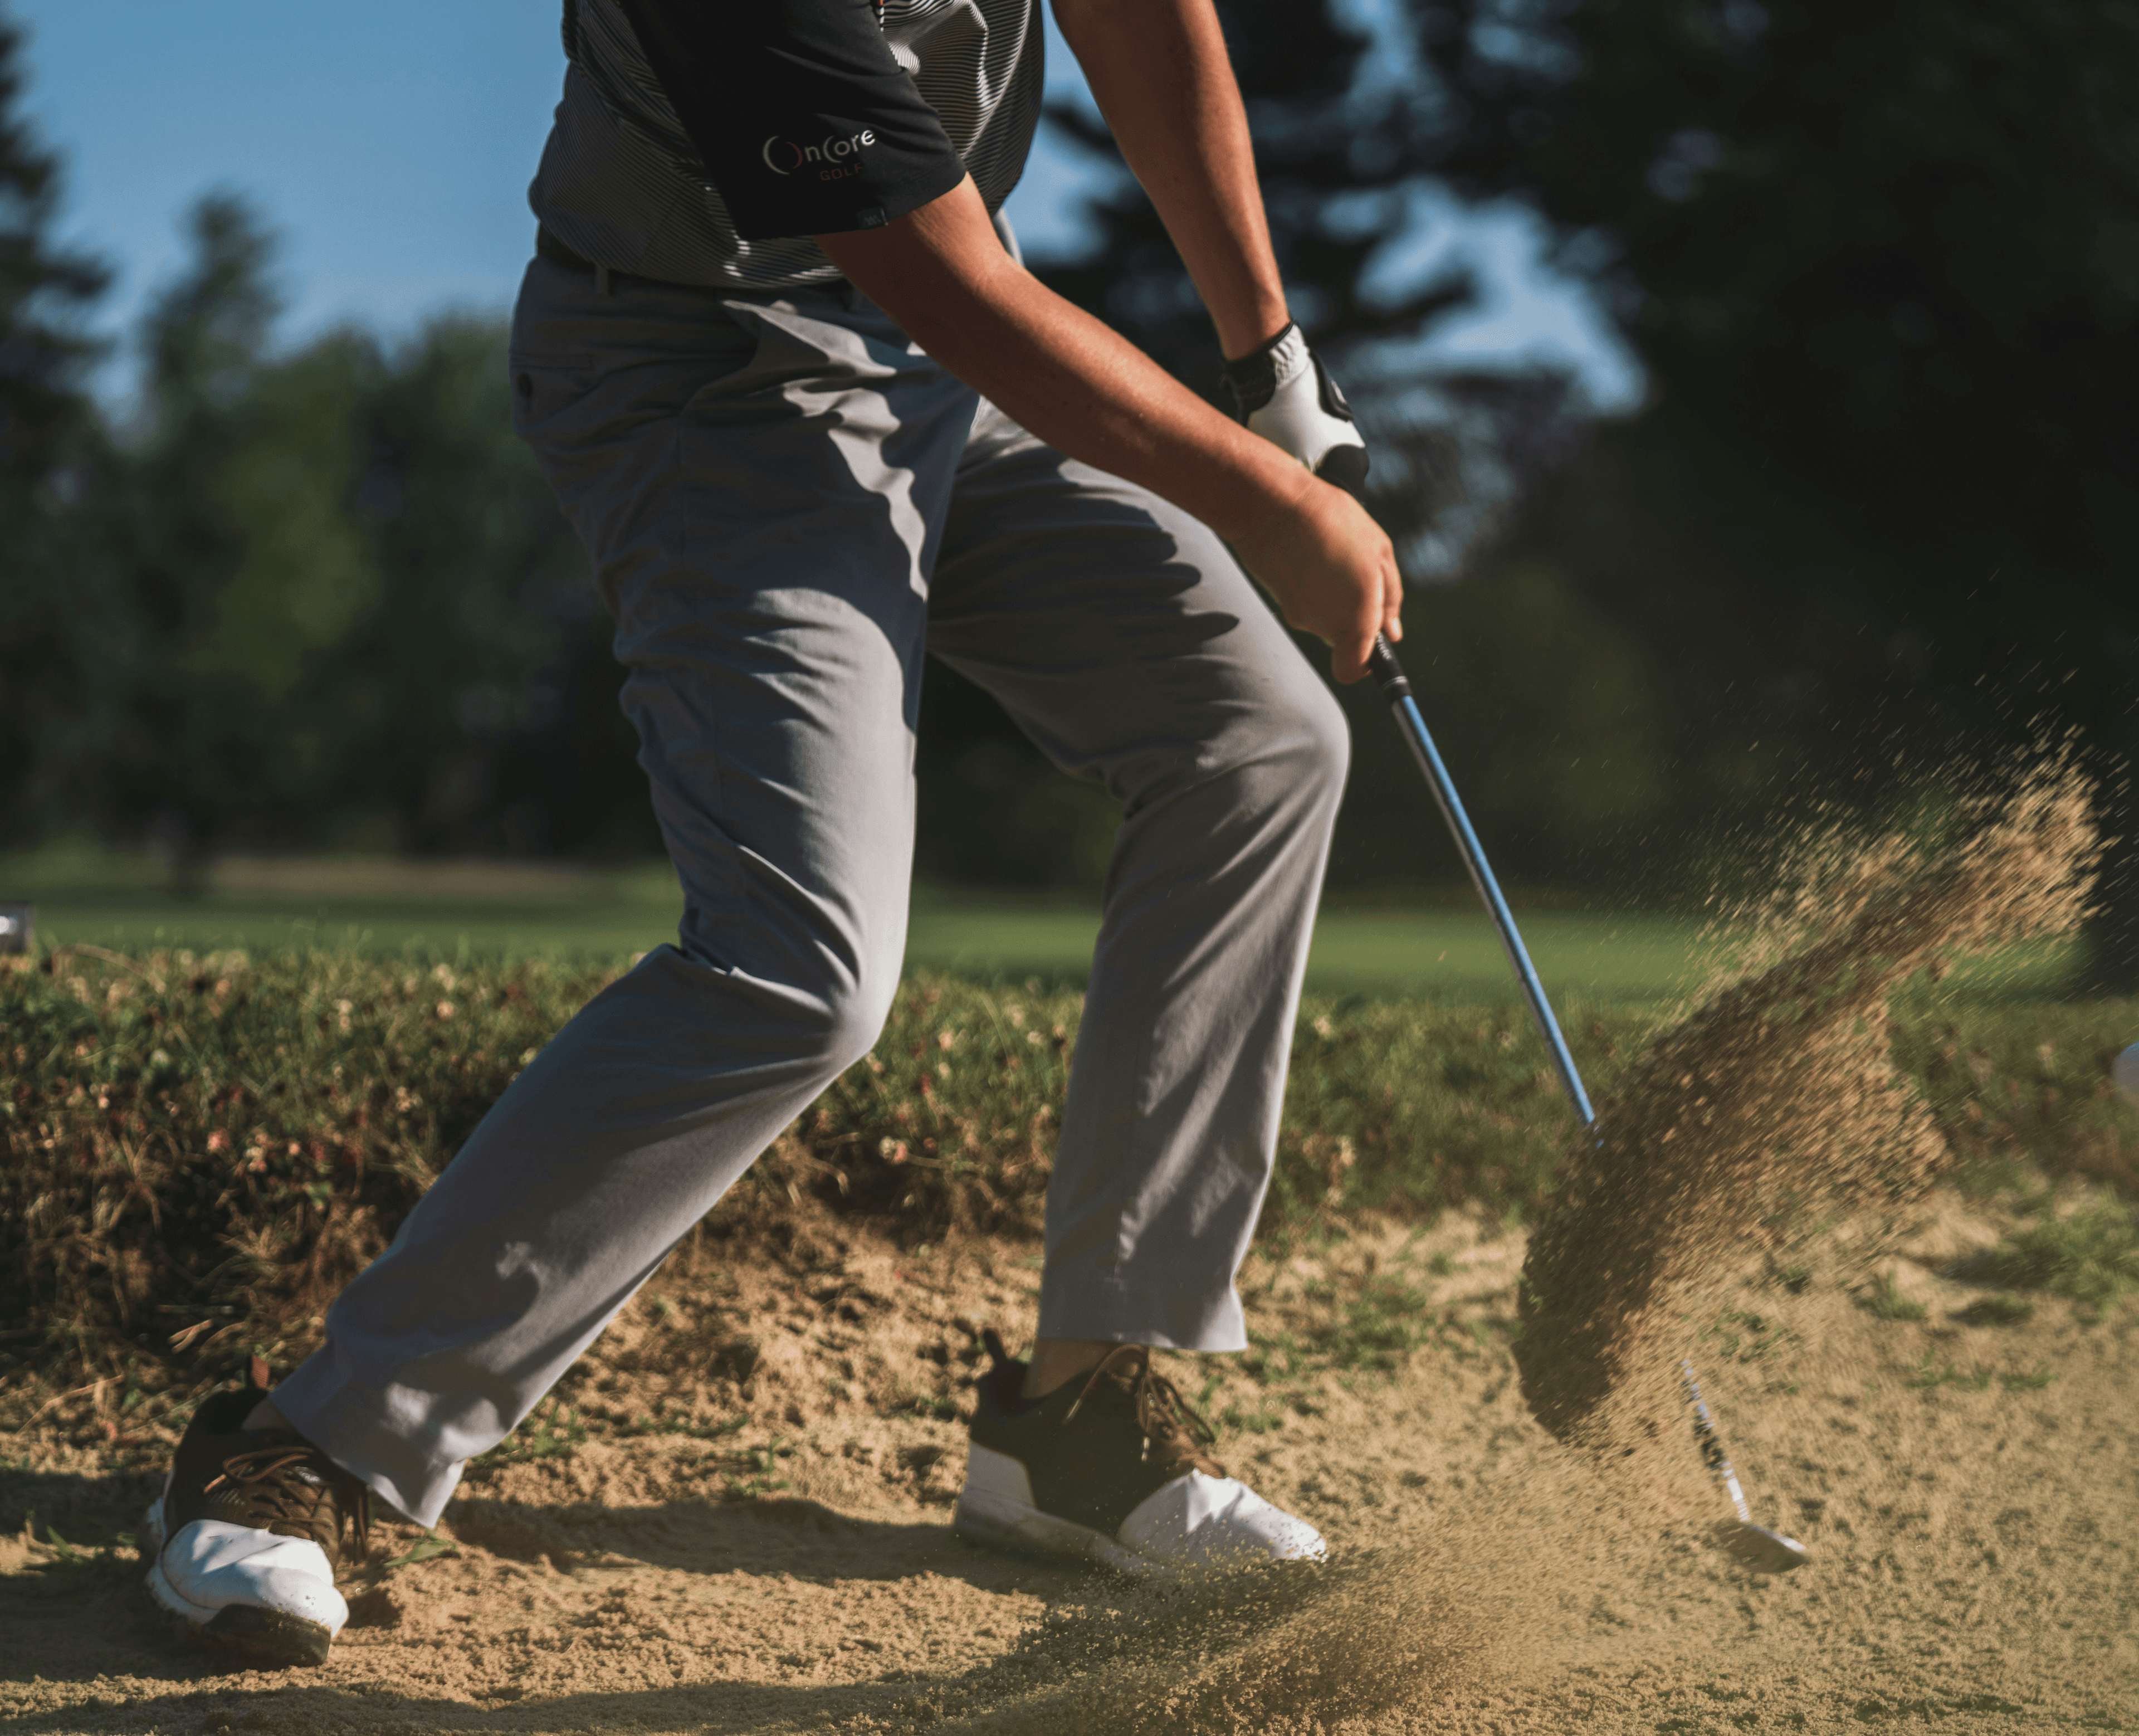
1250	380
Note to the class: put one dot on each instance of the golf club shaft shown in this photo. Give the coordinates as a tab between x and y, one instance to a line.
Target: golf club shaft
1396	689
1712	1444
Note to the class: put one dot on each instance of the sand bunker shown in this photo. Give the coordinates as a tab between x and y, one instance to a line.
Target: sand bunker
1967	1491
1774	1108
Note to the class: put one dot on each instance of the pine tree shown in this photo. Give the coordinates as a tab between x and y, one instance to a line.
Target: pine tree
1336	152
350	590
49	455
1881	264
204	674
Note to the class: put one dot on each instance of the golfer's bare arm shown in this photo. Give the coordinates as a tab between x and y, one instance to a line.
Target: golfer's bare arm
1159	71
942	272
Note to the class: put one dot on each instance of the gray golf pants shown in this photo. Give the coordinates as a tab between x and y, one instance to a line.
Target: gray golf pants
786	504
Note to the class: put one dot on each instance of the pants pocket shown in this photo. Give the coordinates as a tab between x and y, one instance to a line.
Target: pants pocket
543	385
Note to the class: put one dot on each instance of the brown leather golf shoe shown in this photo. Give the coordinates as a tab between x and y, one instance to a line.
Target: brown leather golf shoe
243	1543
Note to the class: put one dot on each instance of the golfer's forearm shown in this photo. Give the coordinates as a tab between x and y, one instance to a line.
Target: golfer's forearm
940	273
1159	71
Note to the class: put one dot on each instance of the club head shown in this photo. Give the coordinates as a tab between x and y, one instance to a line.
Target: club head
1760	1550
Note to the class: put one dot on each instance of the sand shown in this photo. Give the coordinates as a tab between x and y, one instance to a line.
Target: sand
1976	1542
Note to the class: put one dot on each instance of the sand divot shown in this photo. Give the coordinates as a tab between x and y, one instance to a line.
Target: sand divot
1771	1110
1291	1648
1416	1630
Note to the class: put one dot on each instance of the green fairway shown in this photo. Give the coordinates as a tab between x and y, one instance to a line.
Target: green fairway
506	910
1437	951
1437	946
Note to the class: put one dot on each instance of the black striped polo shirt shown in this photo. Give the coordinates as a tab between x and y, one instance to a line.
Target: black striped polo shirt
706	141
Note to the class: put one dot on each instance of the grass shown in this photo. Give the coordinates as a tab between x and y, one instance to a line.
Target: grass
498	911
2023	1087
1433	944
61	1578
1997	1311
1928	1376
1355	1326
1886	1303
200	1148
552	1435
1741	1335
1436	952
424	1549
2090	1256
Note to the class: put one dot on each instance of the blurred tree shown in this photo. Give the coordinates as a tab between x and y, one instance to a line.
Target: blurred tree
241	565
50	457
1883	264
1344	150
352	614
483	672
1883	268
1338	148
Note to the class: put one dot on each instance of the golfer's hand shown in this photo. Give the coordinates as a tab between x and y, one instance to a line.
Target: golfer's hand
1332	570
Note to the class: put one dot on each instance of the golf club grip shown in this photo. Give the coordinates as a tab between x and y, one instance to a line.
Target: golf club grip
1387	672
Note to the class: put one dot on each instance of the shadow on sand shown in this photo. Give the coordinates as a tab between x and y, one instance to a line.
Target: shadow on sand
76	1614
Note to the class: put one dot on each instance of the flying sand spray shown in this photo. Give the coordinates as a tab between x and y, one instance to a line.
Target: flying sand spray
1752	1546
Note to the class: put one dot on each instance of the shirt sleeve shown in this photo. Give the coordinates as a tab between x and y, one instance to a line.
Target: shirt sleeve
806	122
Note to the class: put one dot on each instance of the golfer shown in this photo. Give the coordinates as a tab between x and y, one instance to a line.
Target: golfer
813	419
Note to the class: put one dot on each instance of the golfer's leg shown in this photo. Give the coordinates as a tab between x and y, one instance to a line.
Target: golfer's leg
770	622
1129	645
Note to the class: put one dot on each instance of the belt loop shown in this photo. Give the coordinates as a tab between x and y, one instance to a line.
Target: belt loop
601	280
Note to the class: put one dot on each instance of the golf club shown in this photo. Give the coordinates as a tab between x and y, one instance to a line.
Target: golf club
1753	1545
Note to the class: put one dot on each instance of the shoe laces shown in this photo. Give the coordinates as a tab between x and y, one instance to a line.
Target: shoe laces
1173	1432
283	1484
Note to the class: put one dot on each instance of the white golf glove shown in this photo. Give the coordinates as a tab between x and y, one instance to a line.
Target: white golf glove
1283	393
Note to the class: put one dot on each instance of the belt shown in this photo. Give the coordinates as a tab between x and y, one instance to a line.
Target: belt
559	253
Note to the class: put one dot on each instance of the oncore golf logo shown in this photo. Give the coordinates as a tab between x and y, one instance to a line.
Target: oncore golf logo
783	156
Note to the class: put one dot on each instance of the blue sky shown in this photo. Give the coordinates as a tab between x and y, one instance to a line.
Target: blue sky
391	143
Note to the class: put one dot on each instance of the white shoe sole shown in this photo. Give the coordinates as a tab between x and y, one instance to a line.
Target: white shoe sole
1196	1523
266	1637
1005	1522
